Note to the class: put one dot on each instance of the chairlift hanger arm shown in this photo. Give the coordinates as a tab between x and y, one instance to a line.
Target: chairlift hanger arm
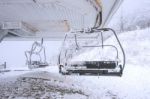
77	45
98	20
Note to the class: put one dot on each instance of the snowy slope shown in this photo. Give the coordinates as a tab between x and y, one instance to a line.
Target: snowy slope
136	45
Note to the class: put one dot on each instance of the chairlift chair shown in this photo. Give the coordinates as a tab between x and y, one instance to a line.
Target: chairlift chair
104	67
37	50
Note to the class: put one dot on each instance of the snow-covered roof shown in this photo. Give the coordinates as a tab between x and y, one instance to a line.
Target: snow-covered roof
52	18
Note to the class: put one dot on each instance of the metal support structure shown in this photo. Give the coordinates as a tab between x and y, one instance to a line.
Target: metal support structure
3	33
18	28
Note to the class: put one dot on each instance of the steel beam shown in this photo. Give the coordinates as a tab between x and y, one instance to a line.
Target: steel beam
19	28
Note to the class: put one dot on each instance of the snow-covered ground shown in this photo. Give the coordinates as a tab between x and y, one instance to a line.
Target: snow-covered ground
46	83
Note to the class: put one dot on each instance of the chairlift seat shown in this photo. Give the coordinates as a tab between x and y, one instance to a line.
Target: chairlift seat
107	68
98	64
37	64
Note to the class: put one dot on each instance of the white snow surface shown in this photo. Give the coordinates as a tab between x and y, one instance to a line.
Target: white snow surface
134	84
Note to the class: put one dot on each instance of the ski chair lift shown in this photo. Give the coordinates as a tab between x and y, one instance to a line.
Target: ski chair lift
104	67
38	51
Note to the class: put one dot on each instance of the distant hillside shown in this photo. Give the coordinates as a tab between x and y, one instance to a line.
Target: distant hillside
136	46
132	14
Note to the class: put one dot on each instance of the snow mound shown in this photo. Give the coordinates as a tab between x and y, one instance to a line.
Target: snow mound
136	45
39	85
